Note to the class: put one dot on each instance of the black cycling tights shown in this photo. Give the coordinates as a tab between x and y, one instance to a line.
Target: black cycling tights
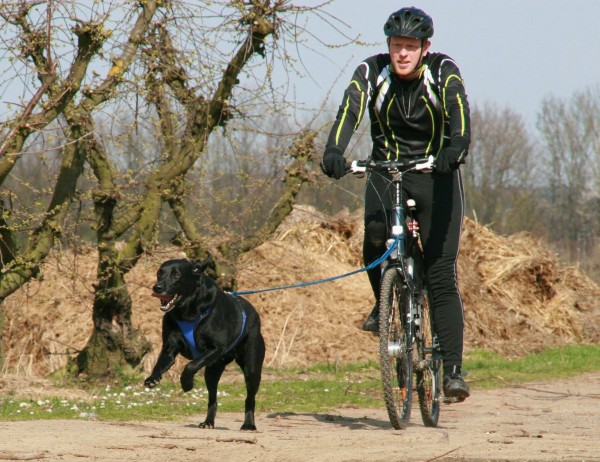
440	213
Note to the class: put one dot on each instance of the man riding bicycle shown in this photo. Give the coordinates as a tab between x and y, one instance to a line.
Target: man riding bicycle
418	107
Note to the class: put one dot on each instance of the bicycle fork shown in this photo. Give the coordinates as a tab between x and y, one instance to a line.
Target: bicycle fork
399	346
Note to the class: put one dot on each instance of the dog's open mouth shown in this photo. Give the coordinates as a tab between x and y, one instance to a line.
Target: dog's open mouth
167	302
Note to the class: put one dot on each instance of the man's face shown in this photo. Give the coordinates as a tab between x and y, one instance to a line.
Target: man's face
406	53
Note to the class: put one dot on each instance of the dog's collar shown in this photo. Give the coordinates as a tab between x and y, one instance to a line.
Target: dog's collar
188	327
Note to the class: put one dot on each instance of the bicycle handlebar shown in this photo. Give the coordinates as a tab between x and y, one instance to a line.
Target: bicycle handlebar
358	167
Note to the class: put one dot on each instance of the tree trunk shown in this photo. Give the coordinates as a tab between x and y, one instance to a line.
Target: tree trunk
115	347
8	250
1	339
108	353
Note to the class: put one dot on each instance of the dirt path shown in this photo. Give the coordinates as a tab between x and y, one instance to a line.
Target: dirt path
538	422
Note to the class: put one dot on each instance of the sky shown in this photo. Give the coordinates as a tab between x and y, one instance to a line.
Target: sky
511	53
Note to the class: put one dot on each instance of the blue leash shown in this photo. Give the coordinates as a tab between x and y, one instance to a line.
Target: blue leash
305	284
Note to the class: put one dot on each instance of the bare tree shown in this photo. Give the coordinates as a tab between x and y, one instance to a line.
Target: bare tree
570	131
501	171
60	81
170	70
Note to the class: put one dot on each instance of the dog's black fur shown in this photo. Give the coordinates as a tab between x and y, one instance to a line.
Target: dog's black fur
186	293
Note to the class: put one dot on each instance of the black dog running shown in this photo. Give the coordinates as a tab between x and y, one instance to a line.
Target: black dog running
209	327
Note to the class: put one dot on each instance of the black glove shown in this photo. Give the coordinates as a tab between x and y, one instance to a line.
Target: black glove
333	164
449	159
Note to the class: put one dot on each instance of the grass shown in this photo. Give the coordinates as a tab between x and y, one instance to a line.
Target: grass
488	370
313	389
299	390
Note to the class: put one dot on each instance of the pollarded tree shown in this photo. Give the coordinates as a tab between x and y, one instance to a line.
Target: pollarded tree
179	72
50	53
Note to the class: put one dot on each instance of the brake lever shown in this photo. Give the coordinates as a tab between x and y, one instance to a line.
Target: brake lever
426	166
356	170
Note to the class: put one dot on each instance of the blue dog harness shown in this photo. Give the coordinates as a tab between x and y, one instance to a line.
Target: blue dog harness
188	327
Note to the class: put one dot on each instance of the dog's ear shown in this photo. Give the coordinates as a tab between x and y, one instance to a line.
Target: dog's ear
200	267
206	288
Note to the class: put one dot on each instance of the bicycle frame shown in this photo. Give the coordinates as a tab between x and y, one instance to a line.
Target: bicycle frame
400	258
397	228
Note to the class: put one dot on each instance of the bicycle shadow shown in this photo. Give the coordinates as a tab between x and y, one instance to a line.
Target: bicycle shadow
352	423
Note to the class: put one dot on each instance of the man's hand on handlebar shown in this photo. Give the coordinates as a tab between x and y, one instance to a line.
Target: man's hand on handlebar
449	159
333	164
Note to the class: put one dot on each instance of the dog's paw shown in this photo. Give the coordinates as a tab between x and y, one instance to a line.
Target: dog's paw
187	381
248	427
206	424
151	381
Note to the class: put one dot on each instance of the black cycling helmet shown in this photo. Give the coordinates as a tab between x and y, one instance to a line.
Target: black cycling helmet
409	22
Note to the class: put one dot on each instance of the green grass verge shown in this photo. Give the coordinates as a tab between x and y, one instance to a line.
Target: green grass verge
489	370
314	389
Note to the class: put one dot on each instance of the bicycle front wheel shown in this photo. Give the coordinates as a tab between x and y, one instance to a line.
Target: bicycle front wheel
428	366
395	348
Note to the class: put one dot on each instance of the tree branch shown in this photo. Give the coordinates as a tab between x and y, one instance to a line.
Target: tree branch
26	265
302	151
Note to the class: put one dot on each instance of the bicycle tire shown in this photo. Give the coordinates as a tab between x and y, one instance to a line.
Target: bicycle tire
395	348
428	373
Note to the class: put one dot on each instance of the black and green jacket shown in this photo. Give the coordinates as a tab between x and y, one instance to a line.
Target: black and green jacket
408	117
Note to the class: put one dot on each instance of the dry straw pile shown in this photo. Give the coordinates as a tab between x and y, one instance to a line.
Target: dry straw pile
518	298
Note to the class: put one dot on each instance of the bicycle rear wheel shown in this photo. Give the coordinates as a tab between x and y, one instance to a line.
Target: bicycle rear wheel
428	367
395	352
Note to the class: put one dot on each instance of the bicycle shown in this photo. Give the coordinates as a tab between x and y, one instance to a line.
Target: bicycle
407	340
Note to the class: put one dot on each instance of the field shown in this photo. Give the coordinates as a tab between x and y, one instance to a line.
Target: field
518	299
